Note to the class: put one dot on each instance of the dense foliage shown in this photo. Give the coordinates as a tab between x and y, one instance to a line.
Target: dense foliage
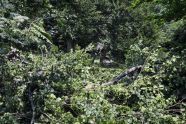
56	54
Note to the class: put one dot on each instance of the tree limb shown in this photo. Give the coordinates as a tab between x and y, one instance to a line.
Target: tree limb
130	72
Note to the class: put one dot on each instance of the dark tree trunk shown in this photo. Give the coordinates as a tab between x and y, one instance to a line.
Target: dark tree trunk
69	45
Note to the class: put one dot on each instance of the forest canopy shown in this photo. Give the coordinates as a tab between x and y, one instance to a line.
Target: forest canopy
92	61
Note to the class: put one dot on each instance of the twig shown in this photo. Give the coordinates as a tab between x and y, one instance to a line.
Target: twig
21	115
176	110
178	103
47	116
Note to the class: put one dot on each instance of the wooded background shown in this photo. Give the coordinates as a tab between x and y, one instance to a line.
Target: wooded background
93	61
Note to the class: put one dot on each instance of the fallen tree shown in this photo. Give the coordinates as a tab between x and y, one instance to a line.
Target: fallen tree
129	73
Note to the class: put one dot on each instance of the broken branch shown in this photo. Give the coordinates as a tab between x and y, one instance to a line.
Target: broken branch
130	72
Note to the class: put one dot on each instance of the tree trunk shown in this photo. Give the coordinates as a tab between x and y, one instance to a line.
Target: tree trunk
69	45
